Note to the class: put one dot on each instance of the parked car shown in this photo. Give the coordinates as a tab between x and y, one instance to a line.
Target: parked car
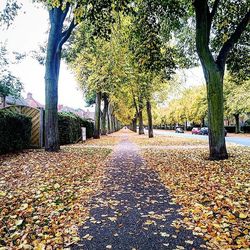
179	130
203	131
195	131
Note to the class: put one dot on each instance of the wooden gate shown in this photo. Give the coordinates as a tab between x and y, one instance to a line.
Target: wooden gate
37	122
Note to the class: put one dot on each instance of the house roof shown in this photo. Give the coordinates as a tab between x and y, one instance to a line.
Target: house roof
32	102
10	100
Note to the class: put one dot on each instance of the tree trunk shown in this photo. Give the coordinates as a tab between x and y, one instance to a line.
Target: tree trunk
104	114
141	128
214	81
150	120
134	123
52	67
217	145
108	120
97	115
237	123
3	100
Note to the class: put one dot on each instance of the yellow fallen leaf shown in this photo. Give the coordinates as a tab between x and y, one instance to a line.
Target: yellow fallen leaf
56	186
24	206
242	216
19	222
2	193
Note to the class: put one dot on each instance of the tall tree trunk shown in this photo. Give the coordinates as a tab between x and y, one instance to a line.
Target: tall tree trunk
134	123
141	127
237	123
3	100
216	133
97	115
108	120
214	81
150	120
52	67
104	114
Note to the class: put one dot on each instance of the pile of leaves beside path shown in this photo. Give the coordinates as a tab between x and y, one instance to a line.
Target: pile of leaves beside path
214	194
143	140
44	196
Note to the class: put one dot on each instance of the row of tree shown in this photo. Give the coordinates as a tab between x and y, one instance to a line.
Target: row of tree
191	104
136	45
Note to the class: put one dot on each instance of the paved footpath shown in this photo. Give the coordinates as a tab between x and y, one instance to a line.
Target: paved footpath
134	211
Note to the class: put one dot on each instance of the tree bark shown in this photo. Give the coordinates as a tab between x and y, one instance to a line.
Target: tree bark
217	145
141	127
237	123
150	120
134	123
52	67
97	115
104	114
3	98
214	81
57	37
108	120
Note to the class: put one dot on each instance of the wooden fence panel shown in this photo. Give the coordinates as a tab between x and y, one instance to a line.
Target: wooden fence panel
37	122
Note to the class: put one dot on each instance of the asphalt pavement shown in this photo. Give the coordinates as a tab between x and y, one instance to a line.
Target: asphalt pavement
134	211
237	140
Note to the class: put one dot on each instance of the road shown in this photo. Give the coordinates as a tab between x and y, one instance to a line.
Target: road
237	140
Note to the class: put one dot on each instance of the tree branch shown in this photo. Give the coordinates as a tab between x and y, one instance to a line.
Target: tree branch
66	34
214	9
203	27
228	45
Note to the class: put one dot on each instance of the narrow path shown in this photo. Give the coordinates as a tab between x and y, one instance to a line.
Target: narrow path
134	211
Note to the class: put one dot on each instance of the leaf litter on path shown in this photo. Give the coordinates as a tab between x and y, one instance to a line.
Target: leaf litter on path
44	196
214	195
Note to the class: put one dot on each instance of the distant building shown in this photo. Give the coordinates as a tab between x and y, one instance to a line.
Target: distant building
10	100
80	112
32	102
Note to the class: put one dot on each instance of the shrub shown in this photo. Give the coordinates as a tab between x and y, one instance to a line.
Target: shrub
69	126
15	131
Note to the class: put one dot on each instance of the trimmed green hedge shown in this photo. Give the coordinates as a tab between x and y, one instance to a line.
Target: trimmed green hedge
69	126
15	131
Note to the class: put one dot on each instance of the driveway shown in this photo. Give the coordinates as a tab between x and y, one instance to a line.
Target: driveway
240	140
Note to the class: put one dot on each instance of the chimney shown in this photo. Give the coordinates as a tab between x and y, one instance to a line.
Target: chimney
29	95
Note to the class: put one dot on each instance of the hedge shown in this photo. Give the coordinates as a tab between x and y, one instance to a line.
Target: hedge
69	126
15	131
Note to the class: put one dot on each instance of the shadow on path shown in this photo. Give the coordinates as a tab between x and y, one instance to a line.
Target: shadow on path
134	211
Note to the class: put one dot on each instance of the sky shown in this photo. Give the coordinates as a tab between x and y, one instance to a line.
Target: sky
28	31
26	34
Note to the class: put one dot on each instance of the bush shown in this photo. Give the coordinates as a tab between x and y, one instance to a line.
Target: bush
15	131
69	126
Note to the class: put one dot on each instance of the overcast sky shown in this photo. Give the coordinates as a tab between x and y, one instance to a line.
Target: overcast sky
28	31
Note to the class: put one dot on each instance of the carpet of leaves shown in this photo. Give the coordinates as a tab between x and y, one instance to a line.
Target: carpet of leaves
214	195
169	140
109	140
44	196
